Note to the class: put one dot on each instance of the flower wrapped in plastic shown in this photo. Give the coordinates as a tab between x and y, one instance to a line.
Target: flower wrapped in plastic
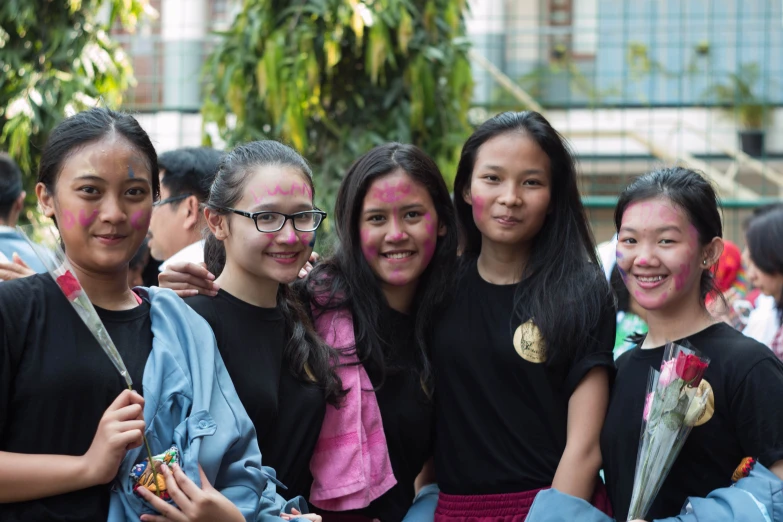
52	256
673	405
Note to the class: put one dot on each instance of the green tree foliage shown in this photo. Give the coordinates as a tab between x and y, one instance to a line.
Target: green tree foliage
56	58
334	78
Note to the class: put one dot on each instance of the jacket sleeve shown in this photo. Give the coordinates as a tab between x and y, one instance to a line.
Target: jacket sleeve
272	504
756	498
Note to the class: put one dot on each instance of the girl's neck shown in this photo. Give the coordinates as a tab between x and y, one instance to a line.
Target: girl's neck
676	322
247	287
501	264
109	291
400	298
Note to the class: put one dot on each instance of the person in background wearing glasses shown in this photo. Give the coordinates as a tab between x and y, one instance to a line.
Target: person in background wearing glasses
177	221
263	225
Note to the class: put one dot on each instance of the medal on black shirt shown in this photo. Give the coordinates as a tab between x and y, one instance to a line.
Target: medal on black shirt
529	343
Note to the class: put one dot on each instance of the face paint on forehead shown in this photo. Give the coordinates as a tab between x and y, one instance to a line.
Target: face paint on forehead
391	193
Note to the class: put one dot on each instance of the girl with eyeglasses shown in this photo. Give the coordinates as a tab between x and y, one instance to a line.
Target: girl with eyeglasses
263	224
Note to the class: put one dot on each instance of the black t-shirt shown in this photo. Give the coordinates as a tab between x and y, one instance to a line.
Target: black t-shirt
56	383
747	384
406	412
286	411
501	419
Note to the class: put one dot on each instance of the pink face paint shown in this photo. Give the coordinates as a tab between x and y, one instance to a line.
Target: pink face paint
67	221
397	277
478	207
681	278
642	262
256	199
369	251
270	236
397	233
303	188
392	193
87	220
305	239
279	190
140	219
291	239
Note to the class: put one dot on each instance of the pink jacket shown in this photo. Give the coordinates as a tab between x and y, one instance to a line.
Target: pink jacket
350	464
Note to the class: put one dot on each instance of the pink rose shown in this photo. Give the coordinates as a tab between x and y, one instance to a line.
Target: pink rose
668	373
648	405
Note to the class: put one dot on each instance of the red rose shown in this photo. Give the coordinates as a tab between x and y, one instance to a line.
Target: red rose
690	368
69	285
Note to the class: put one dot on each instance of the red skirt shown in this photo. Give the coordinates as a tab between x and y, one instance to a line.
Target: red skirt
504	507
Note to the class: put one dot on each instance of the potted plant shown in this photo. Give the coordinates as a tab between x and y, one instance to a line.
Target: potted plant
751	112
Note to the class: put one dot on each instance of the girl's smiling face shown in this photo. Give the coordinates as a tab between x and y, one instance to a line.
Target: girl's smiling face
660	256
102	202
398	229
276	256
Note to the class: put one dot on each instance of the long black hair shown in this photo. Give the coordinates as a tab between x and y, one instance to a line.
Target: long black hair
348	278
765	244
307	355
688	190
90	126
562	287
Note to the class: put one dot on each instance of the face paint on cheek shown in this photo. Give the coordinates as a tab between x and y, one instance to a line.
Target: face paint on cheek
681	278
87	220
623	274
369	251
307	239
67	221
478	207
432	239
140	219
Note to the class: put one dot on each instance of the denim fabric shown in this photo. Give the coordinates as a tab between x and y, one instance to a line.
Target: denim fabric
191	402
756	498
423	508
11	241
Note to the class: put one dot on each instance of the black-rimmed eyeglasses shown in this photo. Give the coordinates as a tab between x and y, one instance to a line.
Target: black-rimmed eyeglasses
172	199
268	222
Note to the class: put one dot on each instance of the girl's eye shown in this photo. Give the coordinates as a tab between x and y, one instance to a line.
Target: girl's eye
666	241
136	192
491	177
89	190
532	182
413	214
376	218
628	241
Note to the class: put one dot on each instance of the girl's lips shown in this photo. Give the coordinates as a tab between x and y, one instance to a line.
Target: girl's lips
506	221
649	285
284	258
389	256
110	239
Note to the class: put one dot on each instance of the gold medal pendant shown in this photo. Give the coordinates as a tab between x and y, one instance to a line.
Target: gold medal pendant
529	343
709	410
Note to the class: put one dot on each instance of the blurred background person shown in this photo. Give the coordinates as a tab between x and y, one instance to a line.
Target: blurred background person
17	258
177	218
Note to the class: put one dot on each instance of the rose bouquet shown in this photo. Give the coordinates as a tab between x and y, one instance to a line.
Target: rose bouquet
674	403
52	256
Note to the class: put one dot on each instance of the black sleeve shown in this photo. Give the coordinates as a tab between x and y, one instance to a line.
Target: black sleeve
597	350
14	302
756	410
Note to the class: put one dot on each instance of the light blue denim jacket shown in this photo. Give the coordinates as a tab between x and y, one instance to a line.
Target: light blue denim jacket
11	241
190	402
755	498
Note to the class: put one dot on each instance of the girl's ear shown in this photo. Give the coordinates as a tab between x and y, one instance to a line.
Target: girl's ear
45	200
466	197
442	230
711	253
217	223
